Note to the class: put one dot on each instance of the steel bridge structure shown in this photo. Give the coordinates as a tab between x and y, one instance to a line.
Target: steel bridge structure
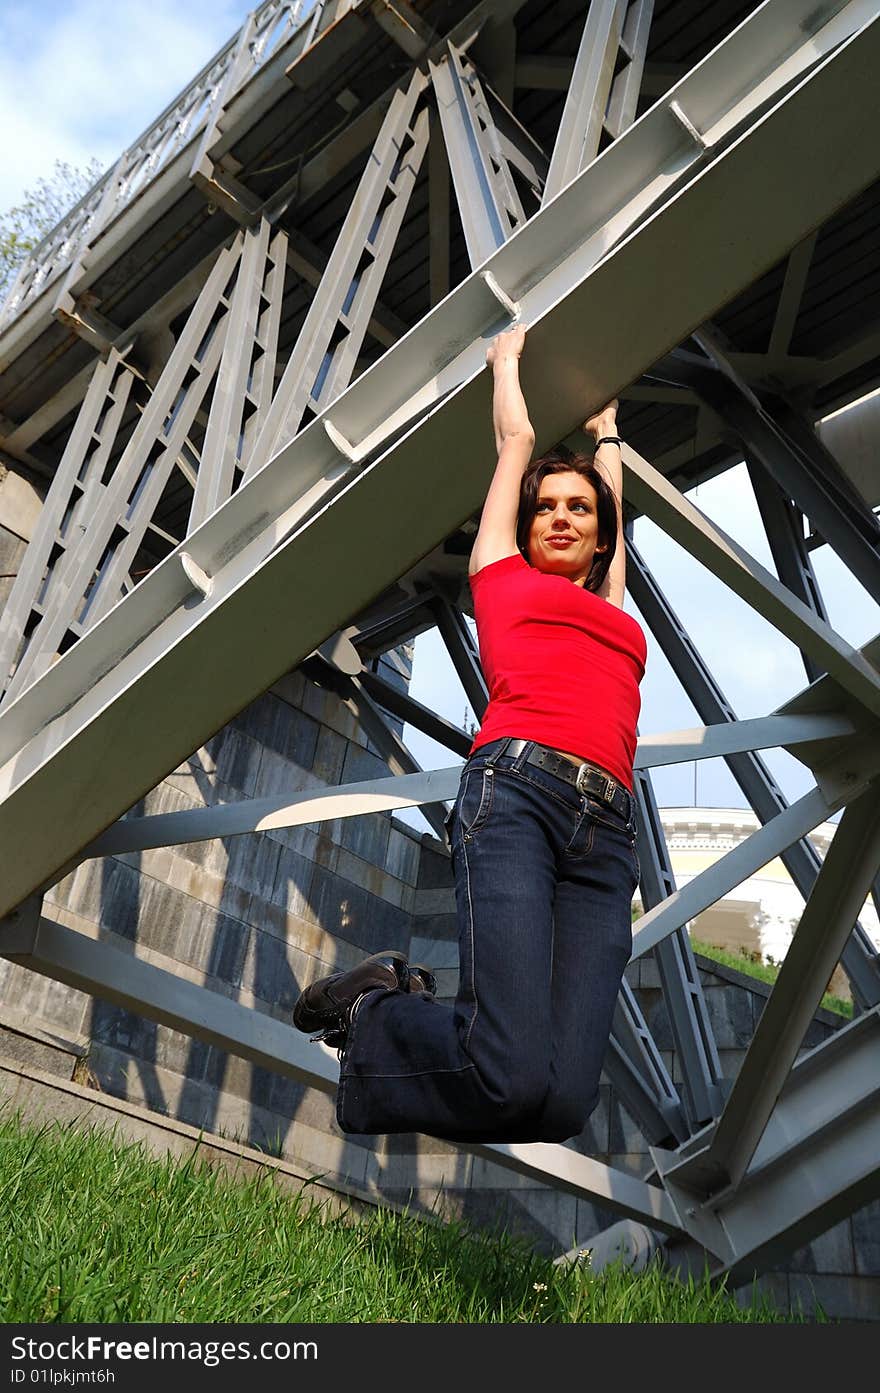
243	370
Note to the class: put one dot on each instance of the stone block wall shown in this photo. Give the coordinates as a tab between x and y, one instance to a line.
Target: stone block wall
255	917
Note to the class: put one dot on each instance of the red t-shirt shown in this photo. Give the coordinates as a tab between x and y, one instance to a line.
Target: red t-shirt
563	665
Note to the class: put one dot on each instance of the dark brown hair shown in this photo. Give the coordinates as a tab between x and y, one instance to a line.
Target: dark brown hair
561	460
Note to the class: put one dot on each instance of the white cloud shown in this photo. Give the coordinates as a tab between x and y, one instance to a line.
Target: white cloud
82	80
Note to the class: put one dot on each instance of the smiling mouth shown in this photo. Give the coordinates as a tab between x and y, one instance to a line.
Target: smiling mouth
561	541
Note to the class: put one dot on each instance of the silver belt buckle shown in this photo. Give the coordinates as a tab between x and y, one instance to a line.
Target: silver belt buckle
608	785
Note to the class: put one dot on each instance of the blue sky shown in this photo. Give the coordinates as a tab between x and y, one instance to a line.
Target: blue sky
82	79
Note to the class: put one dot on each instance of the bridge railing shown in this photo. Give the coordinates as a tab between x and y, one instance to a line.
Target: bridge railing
266	30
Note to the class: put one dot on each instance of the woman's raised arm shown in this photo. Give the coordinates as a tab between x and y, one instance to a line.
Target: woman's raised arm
608	462
514	441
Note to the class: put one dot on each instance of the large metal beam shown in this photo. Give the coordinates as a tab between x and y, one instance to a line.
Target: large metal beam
246	375
638	1075
395	620
463	652
404	706
787	310
818	1161
283	810
383	794
88	964
783	526
76	485
309	263
130	678
760	733
323	357
363	706
376	795
848	513
114	515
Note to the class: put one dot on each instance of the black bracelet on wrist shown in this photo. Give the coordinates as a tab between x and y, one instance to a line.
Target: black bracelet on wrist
609	440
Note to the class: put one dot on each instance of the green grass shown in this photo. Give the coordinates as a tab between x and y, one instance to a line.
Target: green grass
754	966
764	972
103	1232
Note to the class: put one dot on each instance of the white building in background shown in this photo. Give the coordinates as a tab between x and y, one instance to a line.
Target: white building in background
761	914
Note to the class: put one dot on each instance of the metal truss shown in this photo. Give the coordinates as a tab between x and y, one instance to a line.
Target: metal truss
191	503
119	503
488	201
330	340
778	439
601	97
200	107
784	525
751	772
75	489
682	992
362	697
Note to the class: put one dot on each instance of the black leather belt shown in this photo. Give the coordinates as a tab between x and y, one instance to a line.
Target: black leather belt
586	778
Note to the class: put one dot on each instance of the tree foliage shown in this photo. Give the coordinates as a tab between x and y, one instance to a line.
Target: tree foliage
41	208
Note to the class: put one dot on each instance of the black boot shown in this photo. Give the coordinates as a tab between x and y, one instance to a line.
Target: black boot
421	979
326	1006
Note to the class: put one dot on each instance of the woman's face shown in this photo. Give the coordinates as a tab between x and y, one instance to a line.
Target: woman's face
564	535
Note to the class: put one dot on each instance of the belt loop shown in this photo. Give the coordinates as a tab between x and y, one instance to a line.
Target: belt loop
523	755
504	745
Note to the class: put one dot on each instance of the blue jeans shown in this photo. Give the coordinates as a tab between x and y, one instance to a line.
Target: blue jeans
544	879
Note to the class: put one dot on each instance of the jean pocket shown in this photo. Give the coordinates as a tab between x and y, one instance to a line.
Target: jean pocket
605	815
637	868
475	800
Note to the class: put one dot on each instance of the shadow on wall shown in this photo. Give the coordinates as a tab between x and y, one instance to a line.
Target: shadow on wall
256	916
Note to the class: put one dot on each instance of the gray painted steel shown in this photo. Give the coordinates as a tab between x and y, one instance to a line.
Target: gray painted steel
636	1067
817	1161
139	627
725	138
802	468
688	1014
488	202
841	886
749	770
577	142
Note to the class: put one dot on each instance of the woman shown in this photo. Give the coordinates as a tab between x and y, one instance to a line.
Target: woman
542	831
